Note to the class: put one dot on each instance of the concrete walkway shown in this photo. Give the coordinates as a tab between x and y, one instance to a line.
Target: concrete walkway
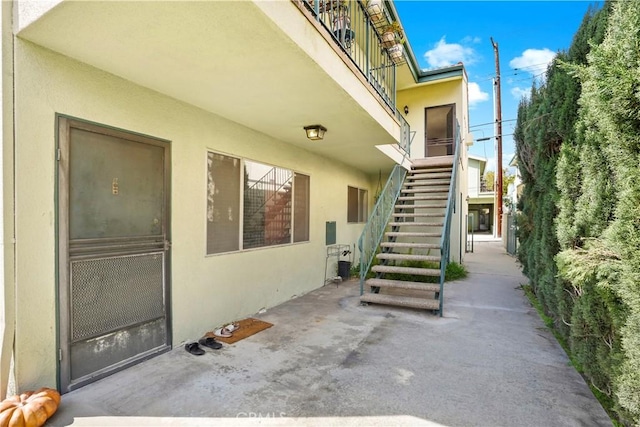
329	361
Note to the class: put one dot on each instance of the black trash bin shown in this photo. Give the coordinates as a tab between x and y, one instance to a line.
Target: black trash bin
344	269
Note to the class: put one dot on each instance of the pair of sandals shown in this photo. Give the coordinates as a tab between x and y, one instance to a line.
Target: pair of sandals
226	331
194	347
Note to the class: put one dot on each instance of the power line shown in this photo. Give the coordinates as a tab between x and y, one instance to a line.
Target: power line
532	66
491	123
487	138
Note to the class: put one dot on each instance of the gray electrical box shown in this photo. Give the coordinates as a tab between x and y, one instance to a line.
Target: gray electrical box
331	233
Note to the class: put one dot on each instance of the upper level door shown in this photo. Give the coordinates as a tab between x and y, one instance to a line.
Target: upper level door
439	130
113	241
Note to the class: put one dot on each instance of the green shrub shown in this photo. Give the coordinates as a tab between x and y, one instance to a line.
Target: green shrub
454	271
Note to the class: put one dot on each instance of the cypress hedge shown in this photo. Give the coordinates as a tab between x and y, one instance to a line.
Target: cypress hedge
578	146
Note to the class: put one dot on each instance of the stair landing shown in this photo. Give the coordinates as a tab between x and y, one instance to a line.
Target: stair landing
429	162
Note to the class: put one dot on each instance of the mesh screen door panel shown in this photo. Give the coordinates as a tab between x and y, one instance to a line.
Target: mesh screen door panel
113	293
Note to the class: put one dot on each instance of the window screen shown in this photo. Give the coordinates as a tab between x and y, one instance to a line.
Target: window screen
275	202
223	203
301	208
357	205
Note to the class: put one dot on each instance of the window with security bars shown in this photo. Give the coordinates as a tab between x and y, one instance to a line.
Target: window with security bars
275	205
357	205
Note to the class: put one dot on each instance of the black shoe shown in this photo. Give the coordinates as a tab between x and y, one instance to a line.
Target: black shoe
194	349
210	342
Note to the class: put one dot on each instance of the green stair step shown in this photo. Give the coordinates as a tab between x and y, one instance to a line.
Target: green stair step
408	257
411	234
422	190
406	270
429	206
423	170
429	177
422	303
416	224
410	245
424	197
417	215
400	284
425	183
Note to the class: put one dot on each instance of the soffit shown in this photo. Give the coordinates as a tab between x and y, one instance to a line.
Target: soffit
228	58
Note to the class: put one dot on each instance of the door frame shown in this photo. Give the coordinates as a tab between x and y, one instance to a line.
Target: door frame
454	130
63	124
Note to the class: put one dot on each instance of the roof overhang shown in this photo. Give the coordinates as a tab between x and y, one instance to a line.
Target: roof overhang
260	64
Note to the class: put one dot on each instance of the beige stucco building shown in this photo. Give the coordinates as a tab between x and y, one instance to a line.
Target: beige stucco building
482	210
146	147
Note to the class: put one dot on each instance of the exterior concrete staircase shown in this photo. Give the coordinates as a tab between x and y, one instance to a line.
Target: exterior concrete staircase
414	235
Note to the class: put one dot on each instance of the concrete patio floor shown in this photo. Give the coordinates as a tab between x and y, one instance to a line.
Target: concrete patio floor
489	361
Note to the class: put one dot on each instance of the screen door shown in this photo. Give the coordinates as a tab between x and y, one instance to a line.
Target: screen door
113	206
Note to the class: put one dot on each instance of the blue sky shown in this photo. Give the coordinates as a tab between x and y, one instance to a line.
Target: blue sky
528	33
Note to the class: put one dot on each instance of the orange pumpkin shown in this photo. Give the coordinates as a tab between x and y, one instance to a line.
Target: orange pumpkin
30	409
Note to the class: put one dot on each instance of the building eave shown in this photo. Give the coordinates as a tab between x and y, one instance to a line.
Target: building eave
423	75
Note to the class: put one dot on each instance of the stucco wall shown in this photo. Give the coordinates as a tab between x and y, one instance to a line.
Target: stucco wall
474	177
206	290
7	295
432	95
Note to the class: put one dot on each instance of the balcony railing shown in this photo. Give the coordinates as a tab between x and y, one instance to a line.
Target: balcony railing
484	186
359	34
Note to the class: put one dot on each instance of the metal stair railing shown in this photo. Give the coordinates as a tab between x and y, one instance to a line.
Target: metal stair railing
376	225
405	134
445	240
265	200
266	188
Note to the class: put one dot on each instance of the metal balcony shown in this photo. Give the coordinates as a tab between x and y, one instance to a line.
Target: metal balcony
362	33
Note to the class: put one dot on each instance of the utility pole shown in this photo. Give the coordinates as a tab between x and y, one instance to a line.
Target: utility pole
498	139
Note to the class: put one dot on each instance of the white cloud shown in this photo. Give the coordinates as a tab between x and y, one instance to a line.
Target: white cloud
469	39
533	61
476	95
519	93
444	54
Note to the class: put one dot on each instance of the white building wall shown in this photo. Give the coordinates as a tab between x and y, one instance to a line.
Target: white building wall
474	178
207	291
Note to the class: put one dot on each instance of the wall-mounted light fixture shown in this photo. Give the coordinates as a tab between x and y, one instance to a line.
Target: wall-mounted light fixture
406	110
315	132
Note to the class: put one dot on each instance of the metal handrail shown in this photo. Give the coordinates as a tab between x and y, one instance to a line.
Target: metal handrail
266	189
445	239
376	225
267	207
405	134
358	36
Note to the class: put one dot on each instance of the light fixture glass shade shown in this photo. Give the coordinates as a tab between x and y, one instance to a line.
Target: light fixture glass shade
315	132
